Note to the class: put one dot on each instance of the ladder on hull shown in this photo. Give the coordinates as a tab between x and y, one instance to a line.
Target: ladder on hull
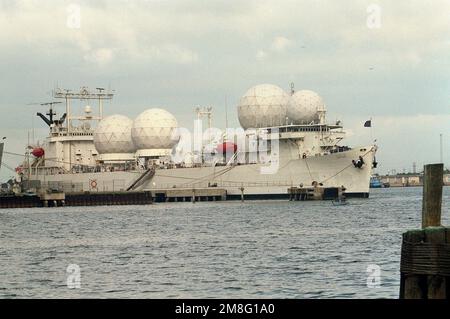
146	176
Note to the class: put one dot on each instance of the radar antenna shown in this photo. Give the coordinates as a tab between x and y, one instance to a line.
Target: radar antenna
202	112
83	94
50	113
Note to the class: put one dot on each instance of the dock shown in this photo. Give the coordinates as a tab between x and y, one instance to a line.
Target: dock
189	194
94	198
21	201
60	199
109	199
315	193
52	199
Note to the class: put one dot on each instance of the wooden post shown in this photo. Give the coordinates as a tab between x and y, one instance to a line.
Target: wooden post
411	285
436	283
432	195
424	264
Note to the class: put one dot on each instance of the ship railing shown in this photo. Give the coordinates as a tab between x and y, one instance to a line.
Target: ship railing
116	185
340	149
219	184
111	186
66	187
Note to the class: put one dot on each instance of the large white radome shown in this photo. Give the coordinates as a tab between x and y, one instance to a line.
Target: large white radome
113	135
154	129
305	107
263	105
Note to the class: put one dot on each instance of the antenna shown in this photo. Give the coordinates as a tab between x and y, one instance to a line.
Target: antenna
440	149
84	94
2	145
100	102
28	157
205	111
226	112
50	113
32	126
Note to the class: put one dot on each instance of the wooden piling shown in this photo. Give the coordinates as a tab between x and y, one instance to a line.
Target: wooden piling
425	257
436	284
432	195
410	283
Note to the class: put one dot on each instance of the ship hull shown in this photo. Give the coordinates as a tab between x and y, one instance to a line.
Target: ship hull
333	170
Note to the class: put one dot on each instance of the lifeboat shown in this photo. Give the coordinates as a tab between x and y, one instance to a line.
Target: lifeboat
227	148
38	152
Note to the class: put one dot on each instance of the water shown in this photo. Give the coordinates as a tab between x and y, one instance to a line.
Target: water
263	249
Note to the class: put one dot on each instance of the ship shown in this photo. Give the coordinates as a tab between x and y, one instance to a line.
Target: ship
375	182
284	141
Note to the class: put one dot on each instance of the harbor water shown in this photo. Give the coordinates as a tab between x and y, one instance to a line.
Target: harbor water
255	249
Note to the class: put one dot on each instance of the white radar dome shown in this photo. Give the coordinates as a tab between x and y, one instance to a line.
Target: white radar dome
305	107
263	105
155	129
113	135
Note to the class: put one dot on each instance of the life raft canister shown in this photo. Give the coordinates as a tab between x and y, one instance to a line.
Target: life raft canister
93	183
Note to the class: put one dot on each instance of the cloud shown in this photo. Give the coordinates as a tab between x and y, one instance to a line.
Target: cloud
126	30
279	44
261	55
101	56
172	53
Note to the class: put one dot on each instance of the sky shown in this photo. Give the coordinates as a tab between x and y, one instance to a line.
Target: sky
385	60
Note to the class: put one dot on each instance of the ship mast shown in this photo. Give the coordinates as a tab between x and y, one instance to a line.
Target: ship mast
202	112
83	94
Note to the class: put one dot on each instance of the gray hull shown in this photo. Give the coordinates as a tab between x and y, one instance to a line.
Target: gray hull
333	170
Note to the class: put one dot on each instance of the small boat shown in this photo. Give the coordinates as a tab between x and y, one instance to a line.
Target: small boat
375	182
340	201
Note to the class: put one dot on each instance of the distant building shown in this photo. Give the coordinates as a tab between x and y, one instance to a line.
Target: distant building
404	180
447	179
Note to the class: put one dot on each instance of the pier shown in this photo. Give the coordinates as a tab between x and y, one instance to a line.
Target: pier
189	194
315	193
33	200
94	198
52	199
76	199
22	201
109	199
425	255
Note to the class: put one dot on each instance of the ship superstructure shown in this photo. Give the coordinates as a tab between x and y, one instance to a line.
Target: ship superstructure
69	148
284	141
